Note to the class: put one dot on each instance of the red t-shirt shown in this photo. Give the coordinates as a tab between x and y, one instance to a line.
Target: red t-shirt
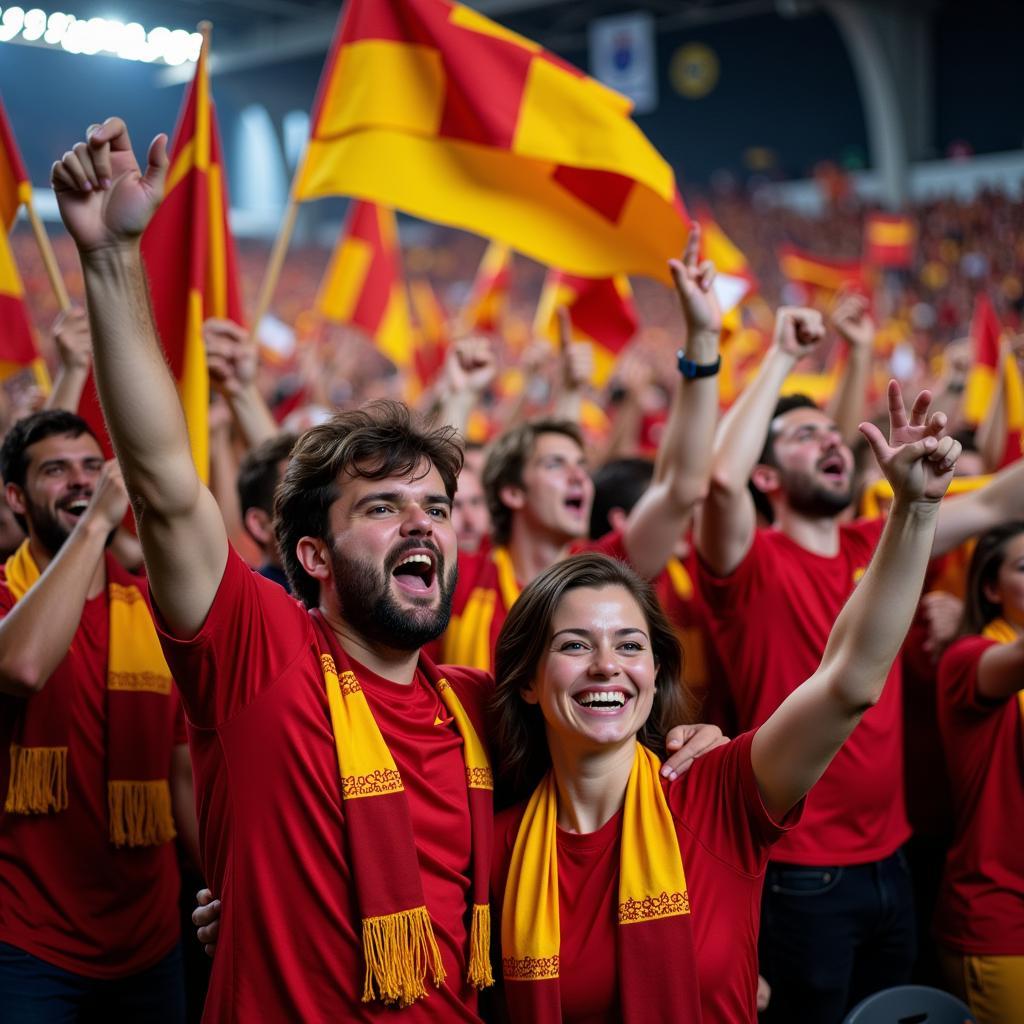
981	902
771	621
272	820
67	895
480	604
724	834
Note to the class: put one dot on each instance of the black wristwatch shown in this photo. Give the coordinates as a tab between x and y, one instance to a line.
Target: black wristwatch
693	371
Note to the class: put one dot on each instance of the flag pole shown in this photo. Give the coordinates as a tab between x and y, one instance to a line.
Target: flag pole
49	258
277	255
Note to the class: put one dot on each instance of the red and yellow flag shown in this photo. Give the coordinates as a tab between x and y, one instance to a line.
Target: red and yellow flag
819	280
889	240
428	106
601	312
432	337
17	344
363	284
983	378
488	301
734	281
190	260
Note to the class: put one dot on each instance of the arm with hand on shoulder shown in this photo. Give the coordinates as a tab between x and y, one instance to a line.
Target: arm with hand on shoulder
791	751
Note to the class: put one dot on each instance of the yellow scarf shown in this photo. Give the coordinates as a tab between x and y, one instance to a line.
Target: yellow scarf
398	938
652	887
1003	633
468	640
138	794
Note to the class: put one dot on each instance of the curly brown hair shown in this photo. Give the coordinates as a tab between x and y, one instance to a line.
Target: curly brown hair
378	441
520	744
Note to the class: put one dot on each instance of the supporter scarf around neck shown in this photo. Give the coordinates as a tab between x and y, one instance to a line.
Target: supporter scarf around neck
399	948
655	947
1003	633
138	738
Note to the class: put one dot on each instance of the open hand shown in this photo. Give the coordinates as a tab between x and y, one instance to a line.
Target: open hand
917	460
104	199
685	743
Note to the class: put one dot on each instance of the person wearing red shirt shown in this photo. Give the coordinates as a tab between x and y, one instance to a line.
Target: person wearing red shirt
607	866
88	899
838	918
539	491
342	779
979	920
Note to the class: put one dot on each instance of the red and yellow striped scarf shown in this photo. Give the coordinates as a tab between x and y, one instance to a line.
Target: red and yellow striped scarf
655	946
139	738
1003	633
399	948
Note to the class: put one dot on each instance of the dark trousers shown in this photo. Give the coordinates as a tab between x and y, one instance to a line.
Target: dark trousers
830	936
33	991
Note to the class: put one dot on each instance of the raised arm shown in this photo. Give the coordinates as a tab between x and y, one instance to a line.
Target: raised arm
37	632
1001	670
683	461
791	751
728	522
967	515
106	203
854	325
469	370
74	350
232	360
576	367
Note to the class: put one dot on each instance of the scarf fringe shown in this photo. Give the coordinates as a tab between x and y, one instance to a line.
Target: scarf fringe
480	974
140	813
39	780
398	950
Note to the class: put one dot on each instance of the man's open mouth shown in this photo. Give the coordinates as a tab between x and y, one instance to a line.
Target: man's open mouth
416	572
75	507
833	466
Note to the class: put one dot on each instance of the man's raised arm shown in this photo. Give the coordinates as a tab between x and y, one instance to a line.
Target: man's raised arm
661	516
727	524
106	203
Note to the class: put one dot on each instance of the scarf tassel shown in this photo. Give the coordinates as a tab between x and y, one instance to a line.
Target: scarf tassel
39	780
480	974
140	813
398	950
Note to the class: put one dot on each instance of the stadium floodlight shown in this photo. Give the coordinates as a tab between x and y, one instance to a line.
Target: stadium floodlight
105	36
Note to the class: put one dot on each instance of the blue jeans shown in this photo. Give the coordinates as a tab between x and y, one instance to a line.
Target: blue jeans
830	936
33	991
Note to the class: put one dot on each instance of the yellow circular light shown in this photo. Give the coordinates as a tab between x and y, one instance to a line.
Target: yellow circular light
693	70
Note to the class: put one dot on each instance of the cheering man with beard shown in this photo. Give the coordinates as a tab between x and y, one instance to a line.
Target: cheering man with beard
98	772
344	790
837	922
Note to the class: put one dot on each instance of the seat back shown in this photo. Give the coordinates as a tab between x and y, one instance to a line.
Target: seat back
910	1004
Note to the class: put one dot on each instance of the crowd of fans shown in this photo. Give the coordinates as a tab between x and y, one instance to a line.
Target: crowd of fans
791	614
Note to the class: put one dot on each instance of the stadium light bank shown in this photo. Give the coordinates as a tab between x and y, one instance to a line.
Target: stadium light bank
101	36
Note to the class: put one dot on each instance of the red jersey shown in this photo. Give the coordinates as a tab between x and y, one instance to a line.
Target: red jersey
771	621
486	590
724	834
981	902
67	894
272	819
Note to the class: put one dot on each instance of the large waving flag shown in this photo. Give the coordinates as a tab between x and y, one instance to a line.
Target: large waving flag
363	284
818	280
432	335
488	300
601	312
190	259
17	343
428	106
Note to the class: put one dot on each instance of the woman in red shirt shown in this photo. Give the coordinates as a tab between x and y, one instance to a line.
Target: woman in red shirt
979	921
626	895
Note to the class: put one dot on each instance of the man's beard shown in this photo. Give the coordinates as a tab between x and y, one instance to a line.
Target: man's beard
48	529
369	606
805	495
